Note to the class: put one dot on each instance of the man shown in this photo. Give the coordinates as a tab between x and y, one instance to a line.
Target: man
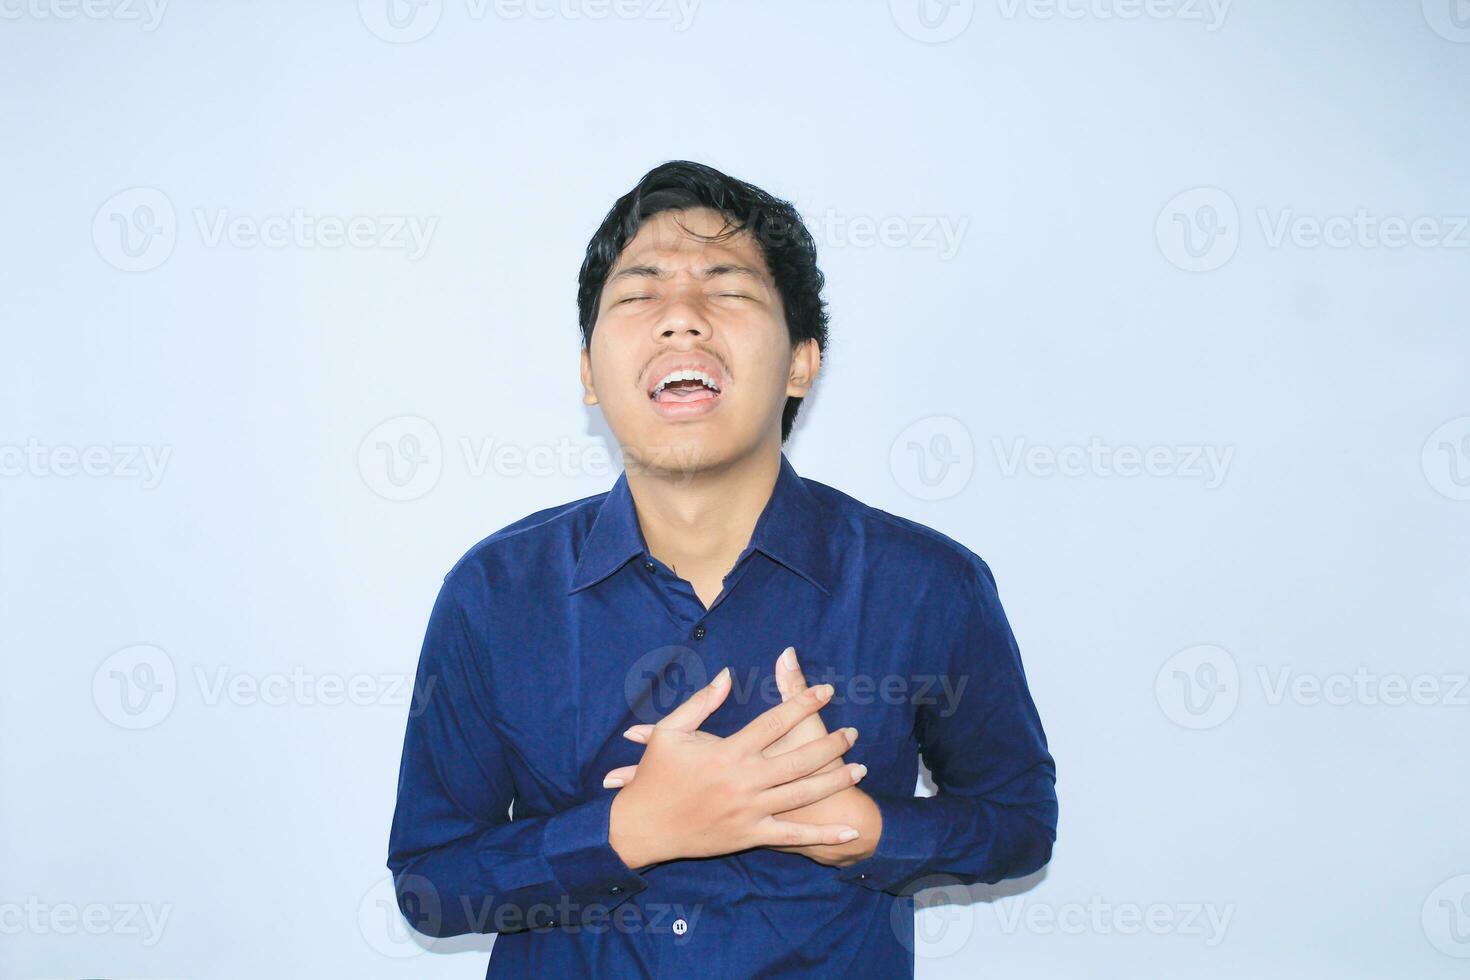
629	669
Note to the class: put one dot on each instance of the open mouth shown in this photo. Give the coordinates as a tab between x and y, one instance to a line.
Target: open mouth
685	393
684	387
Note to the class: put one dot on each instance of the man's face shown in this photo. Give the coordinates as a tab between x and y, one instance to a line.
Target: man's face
673	302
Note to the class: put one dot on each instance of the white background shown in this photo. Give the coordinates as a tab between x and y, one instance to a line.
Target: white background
174	749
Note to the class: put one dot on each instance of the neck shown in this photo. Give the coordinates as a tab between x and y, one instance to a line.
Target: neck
698	523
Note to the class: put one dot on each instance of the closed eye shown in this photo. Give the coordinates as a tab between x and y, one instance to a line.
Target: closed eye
631	299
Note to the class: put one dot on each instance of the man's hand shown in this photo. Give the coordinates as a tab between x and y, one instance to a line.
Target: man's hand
850	806
699	795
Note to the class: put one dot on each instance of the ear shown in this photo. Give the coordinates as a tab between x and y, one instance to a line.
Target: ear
589	393
806	361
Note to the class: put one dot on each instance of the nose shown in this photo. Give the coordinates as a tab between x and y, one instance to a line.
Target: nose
683	320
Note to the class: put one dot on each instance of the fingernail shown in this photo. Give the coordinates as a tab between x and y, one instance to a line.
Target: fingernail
859	771
788	658
721	678
822	691
635	736
851	735
612	782
847	834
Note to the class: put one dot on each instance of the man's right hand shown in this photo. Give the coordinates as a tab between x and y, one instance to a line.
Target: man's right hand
700	795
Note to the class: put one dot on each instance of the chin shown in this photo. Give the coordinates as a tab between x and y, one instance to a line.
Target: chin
677	454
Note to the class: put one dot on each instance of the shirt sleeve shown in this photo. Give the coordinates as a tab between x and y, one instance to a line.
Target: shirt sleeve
460	864
995	813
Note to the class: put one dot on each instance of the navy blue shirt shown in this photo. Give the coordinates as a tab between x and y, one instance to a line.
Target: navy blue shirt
553	635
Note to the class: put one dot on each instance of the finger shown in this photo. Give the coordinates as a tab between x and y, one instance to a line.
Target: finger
791	833
620	776
772	723
790	681
807	759
809	789
639	733
691	714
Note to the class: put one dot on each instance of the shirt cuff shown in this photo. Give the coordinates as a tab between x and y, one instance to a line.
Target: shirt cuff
586	866
910	838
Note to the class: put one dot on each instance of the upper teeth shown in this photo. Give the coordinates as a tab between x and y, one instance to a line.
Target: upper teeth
685	375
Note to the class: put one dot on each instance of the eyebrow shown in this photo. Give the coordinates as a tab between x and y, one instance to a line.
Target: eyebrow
710	272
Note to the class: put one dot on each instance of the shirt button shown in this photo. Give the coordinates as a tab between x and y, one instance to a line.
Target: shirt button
699	632
680	927
862	877
648	565
615	890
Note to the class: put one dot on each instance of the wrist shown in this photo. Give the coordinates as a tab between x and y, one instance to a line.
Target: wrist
635	850
864	815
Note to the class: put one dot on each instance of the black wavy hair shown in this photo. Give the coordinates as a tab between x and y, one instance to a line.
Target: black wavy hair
775	225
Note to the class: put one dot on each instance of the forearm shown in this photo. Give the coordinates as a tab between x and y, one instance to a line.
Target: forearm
513	876
967	839
995	813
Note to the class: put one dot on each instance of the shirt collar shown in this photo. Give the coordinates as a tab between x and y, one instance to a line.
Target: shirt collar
791	530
